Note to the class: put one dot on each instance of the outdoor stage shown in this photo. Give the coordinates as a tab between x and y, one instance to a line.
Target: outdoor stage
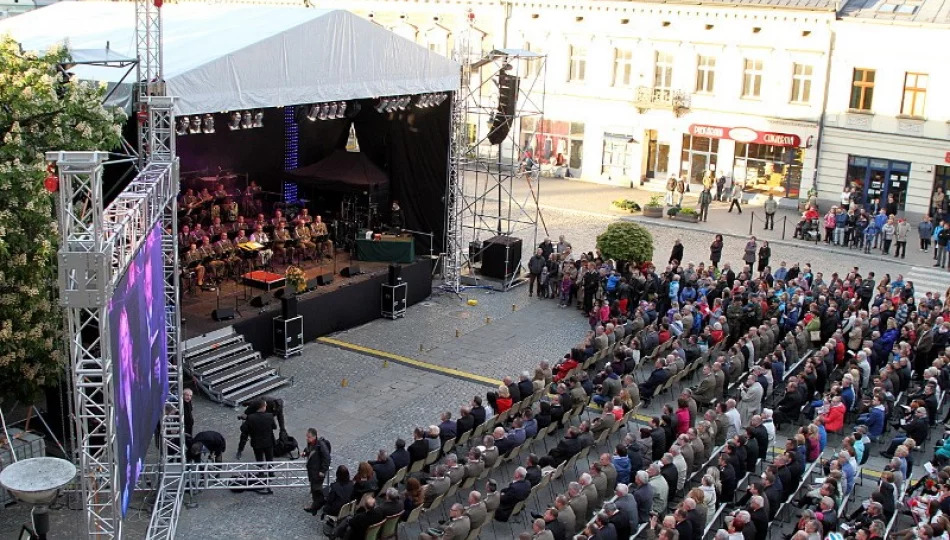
343	304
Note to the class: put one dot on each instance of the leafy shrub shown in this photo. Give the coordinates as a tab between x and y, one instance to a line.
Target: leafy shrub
626	241
688	212
656	201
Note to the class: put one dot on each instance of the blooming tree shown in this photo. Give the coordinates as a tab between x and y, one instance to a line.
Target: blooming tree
40	111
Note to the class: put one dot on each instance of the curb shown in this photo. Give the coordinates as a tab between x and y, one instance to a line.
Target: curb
787	243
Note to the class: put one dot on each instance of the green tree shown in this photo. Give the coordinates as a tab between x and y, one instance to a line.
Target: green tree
626	241
40	111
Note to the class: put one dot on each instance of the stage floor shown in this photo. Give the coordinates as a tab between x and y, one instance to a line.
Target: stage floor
196	308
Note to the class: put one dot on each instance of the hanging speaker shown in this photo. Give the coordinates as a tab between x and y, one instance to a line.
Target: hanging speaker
507	106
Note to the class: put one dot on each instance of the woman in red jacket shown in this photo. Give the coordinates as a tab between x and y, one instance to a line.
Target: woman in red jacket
834	418
682	417
503	402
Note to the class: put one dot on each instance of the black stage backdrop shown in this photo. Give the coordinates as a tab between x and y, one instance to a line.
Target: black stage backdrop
346	307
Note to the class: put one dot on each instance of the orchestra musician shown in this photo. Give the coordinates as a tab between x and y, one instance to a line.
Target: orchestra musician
205	200
304	239
199	232
396	215
193	260
241	237
240	225
229	210
209	258
320	235
259	236
304	216
251	202
277	219
220	192
225	249
216	228
260	222
186	237
281	237
189	201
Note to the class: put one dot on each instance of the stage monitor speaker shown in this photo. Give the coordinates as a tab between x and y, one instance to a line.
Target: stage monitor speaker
352	270
325	279
262	300
507	107
395	274
312	284
501	257
288	307
223	314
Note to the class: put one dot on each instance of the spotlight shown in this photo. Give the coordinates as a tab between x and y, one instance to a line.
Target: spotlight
258	119
341	109
312	113
183	125
381	105
404	102
195	125
424	101
208	124
439	98
331	111
324	111
234	123
246	121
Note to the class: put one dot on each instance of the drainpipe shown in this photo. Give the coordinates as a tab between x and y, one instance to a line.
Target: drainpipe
506	5
824	108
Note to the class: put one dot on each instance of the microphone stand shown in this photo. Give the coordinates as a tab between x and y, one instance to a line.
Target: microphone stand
431	239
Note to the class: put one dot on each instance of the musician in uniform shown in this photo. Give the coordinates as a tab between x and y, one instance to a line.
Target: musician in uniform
281	237
220	192
199	232
251	203
259	236
320	235
240	225
260	222
225	249
186	237
193	260
188	202
229	210
304	239
216	228
210	258
304	216
277	219
241	237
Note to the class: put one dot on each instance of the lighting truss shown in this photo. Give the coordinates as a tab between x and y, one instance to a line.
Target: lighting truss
481	200
97	245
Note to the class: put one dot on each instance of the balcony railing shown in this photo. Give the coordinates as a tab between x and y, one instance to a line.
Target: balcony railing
662	98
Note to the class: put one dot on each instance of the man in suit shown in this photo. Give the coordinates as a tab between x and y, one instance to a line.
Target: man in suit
465	422
539	531
400	455
474	465
525	387
259	428
446	428
365	517
476	511
502	442
419	448
513	389
618	519
457	528
318	463
391	504
454	471
627	504
659	376
517	491
759	516
706	391
492	497
578	502
604	529
478	411
604	422
437	484
534	470
643	494
565	515
683	525
490	454
590	491
566	447
384	467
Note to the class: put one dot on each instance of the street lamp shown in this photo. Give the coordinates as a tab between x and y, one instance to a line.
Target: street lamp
37	481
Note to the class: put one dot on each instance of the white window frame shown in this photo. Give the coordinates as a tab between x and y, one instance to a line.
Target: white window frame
706	74
663	60
577	63
802	80
753	70
623	67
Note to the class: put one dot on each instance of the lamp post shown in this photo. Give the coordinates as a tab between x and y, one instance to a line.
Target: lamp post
37	481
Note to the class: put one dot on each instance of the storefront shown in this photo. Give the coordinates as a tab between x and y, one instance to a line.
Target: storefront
763	161
557	146
879	178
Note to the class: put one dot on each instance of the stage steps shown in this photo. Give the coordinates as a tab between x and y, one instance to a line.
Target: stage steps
228	370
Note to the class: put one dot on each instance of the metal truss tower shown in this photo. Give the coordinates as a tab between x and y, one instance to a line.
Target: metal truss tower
482	199
150	81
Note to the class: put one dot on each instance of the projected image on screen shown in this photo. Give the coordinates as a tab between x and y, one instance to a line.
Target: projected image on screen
137	341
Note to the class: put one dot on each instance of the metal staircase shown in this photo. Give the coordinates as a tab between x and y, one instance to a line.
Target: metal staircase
228	369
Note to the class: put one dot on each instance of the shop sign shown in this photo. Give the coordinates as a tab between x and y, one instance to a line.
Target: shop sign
746	135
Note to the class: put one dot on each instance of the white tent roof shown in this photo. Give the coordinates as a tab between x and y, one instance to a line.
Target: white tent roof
227	57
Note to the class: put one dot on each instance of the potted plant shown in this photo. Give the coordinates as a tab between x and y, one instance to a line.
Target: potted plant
627	204
687	214
672	211
654	208
626	241
295	280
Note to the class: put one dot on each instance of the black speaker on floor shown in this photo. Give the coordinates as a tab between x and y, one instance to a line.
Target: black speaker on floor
352	270
395	274
325	279
262	300
288	306
223	314
312	284
501	256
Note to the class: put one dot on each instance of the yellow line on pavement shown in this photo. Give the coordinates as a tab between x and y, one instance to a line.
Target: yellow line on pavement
412	362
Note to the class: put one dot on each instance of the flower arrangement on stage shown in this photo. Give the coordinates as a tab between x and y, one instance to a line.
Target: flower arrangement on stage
296	279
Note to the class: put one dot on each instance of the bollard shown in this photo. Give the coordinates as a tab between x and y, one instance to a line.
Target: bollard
343	383
487	320
514	307
385	363
421	348
458	333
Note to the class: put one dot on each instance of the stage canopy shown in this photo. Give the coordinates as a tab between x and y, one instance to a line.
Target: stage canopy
341	171
225	57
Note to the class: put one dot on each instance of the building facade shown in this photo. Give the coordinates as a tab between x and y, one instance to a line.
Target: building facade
887	124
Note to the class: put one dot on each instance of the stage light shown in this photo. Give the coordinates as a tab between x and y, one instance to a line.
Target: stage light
324	111
381	104
439	98
195	125
404	102
259	119
312	113
183	125
331	111
247	122
341	109
421	101
235	123
208	124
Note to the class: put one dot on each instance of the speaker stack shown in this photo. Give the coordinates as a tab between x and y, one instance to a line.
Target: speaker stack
507	106
394	294
501	257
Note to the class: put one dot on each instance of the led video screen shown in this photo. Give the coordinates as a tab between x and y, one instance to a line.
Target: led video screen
139	353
